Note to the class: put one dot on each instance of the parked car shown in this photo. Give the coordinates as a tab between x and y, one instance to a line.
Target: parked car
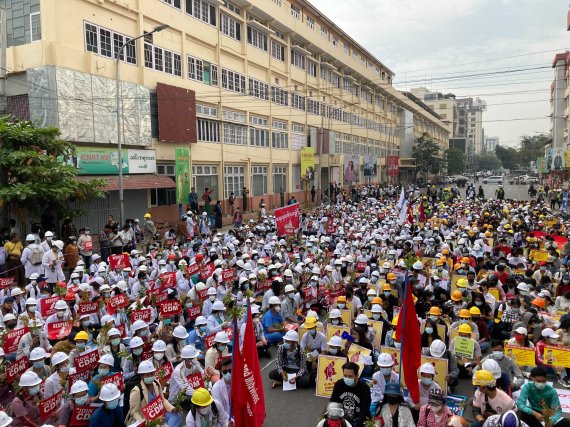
496	179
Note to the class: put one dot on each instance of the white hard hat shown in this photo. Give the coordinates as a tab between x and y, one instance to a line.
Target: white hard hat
48	234
335	313
146	367
418	265
376	308
78	386
58	358
427	368
218	305
8	317
38	353
335	341
136	342
212	291
61	305
493	367
385	360
107	359
200	320
122	285
58	244
274	300
180	332
5	419
437	348
288	273
313	314
159	346
361	319
291	336
113	331
107	318
34	276
29	379
16	292
254	309
289	288
31	301
104	288
110	391
189	352
221	337
30	238
139	324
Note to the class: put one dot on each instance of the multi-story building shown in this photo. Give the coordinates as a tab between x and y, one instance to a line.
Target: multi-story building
245	84
559	101
444	105
470	126
490	143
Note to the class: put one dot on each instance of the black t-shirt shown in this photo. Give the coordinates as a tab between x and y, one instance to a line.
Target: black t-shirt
355	400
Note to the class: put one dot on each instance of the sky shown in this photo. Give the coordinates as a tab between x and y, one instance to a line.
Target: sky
498	50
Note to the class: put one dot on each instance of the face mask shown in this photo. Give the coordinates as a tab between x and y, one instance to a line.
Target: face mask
540	386
429	331
286	346
376	316
64	369
498	355
80	401
113	404
398	345
387	293
386	371
478	303
148	380
39	364
433	318
227	377
145	333
341	305
426	381
392	400
374	279
116	341
277	308
203	329
32	308
349	381
86	323
291	296
333	350
221	347
159	356
553	340
137	351
104	371
34	390
463	321
80	345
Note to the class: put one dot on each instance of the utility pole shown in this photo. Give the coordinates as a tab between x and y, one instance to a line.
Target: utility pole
3	73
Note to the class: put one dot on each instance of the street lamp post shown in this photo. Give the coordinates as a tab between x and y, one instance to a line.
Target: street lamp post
119	114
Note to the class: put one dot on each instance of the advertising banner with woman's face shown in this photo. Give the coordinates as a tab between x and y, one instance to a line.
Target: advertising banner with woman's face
351	169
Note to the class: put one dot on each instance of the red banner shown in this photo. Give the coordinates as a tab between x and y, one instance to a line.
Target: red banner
203	294
119	261
59	330
47	305
287	219
81	415
143	314
164	373
116	302
331	229
207	270
87	360
158	296
168	280
12	339
193	312
87	308
170	308
361	266
195	380
83	376
228	275
193	269
116	379
50	405
392	165
154	409
15	369
209	340
6	282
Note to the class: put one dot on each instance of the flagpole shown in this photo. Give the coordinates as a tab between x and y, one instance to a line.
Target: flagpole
402	316
235	340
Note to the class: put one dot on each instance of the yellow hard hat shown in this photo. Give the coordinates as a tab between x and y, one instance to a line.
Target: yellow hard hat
439	263
464	313
386	287
456	296
147	215
376	300
464	329
341	298
462	283
435	311
82	335
202	397
391	276
395	321
484	378
310	323
475	311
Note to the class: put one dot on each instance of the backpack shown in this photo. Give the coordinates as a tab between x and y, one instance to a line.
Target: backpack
36	256
134	381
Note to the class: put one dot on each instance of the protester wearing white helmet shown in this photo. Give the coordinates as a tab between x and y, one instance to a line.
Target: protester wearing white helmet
261	342
209	302
291	363
52	262
105	369
272	321
189	366
62	313
35	338
25	406
173	349
106	415
79	397
37	359
196	336
217	320
61	370
335	347
217	352
426	385
32	256
381	377
290	305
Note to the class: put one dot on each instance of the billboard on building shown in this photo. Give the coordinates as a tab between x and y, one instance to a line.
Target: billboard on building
351	169
558	159
105	161
307	163
370	166
541	165
182	159
392	164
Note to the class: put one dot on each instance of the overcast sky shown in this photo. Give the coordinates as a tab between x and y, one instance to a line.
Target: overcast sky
447	44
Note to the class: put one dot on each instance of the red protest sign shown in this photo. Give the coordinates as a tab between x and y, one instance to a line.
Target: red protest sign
116	379
119	261
228	275
159	296
203	294
170	308
331	229
361	266
80	416
123	329
6	282
59	330
207	270
87	308
195	380
168	280
287	219
116	302
154	409
164	373
83	376
193	269
263	285
87	360
143	314
47	305
12	339
193	312
15	369
50	405
209	340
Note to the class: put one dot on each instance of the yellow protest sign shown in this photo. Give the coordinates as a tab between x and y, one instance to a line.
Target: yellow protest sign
355	351
523	356
428	262
536	255
556	356
377	325
551	222
464	347
336	330
329	371
495	293
346	316
350	307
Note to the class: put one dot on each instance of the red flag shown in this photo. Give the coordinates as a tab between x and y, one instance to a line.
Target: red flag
410	218
411	349
422	212
248	401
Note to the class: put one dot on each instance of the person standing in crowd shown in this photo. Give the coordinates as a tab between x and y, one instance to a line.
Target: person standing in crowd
193	200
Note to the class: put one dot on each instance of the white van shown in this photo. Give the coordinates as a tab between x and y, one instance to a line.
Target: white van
497	179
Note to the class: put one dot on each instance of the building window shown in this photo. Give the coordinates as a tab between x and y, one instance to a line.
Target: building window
164	196
35	27
107	43
278	124
295	127
206	110
258	121
160	59
295	12
324	33
202	71
259	180
298	101
277	51
258	89
277	2
235	134
258	137
234	180
313	106
233	81
205	176
280	140
279	179
202	10
173	3
310	23
234	116
347	84
312	68
279	96
297	59
208	130
232	7
256	38
346	48
230	27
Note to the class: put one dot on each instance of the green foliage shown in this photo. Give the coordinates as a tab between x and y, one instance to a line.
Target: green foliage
34	175
530	148
428	156
487	162
455	161
508	156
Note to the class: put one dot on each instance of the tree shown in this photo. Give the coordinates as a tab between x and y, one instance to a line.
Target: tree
487	162
34	176
428	156
531	148
508	156
455	161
